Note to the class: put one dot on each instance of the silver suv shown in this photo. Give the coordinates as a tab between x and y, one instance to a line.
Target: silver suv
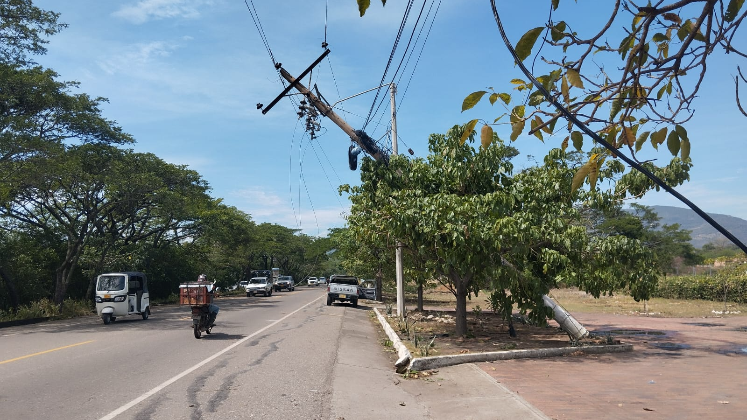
261	285
285	282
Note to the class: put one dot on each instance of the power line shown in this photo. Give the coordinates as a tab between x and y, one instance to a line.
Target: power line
258	25
391	57
422	47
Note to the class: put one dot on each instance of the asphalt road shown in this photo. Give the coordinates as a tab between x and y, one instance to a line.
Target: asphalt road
268	357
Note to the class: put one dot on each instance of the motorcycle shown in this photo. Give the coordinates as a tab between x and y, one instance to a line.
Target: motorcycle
202	320
199	296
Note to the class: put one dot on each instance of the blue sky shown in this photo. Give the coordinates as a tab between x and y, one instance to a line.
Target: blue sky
184	77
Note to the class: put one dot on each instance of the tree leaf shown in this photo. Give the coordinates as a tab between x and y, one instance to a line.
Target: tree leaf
363	6
681	132
486	136
505	97
492	98
536	122
627	137
616	107
472	99
685	149
468	128
641	139
580	176
658	137
574	78
673	143
527	41
672	17
578	140
557	31
555	4
536	98
564	144
732	10
659	37
684	30
593	174
564	90
516	129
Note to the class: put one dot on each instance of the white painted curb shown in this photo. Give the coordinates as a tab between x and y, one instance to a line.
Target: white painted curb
402	352
426	363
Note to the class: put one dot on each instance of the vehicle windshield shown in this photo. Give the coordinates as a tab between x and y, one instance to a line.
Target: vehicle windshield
285	278
258	280
107	283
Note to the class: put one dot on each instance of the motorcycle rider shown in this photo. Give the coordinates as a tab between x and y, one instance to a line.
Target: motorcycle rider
212	308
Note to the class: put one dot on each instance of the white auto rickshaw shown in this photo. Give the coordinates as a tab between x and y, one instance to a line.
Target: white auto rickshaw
120	294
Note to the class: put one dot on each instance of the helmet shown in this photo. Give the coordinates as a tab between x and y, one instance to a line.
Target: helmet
202	277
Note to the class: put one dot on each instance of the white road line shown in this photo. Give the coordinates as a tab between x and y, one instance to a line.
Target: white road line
159	388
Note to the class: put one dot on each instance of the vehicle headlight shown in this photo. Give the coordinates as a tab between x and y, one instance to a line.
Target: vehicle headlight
98	299
120	298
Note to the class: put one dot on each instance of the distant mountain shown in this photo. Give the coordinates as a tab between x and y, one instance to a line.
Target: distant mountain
702	232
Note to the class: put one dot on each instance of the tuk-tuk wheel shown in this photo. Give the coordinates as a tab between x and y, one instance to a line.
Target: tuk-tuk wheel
146	313
208	330
107	318
197	332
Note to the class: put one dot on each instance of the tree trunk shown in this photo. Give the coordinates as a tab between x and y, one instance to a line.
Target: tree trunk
461	306
10	286
379	297
420	297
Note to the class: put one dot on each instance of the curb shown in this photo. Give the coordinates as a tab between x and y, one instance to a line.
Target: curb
433	362
426	363
26	321
404	355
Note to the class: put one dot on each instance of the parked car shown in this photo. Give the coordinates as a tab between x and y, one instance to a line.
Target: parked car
285	282
322	280
368	289
311	281
258	285
343	289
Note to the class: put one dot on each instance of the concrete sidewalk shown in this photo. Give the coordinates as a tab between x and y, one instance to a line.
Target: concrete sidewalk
365	385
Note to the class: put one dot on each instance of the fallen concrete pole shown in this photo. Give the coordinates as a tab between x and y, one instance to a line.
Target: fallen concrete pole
568	323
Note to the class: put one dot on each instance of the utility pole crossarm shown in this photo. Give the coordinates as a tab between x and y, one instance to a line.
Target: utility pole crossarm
358	136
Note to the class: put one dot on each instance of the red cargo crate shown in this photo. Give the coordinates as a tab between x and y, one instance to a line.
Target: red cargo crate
195	294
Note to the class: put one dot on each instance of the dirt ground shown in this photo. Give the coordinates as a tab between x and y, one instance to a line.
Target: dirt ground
431	332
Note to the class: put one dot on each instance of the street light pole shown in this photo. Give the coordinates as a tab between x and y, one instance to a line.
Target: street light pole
398	252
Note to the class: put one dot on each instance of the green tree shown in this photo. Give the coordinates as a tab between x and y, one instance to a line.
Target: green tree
23	30
472	225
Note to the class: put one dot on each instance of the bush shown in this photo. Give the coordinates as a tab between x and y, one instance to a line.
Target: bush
727	285
45	308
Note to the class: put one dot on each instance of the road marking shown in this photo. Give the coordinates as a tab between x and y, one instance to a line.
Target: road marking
44	352
159	388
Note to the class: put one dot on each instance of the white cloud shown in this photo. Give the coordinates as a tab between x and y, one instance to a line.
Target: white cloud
146	10
137	55
266	207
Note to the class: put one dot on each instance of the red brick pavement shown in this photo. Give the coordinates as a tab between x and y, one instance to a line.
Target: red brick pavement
696	369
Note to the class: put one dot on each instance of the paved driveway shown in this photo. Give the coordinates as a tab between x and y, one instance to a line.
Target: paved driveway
681	368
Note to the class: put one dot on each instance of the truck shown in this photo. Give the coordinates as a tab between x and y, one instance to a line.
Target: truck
343	289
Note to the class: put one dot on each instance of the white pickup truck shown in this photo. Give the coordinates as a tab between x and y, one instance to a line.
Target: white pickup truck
343	289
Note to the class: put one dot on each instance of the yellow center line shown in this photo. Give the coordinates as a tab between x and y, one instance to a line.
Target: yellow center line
46	351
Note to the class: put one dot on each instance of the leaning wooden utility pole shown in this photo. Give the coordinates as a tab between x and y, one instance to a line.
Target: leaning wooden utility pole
357	136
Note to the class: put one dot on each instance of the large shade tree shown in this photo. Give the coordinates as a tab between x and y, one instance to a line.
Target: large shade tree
474	226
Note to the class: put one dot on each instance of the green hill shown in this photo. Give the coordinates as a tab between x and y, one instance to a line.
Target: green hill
702	232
